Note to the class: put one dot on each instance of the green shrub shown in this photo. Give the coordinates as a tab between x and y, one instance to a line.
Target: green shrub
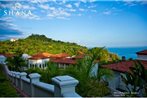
6	89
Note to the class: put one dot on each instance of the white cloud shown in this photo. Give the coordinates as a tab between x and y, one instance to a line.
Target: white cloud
107	12
144	2
81	9
129	3
94	11
61	17
64	1
8	19
43	6
92	0
77	4
28	7
28	15
91	6
84	1
58	13
79	14
35	17
32	17
5	5
68	6
39	1
72	10
17	6
52	8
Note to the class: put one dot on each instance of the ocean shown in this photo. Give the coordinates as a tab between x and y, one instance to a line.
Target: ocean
128	52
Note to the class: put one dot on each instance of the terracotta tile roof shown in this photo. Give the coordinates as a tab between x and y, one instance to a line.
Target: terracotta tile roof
41	56
61	55
37	58
45	54
123	66
64	61
7	54
48	55
144	52
78	56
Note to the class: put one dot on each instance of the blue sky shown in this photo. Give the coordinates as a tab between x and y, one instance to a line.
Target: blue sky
86	22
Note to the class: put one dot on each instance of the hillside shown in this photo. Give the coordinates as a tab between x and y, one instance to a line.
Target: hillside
39	43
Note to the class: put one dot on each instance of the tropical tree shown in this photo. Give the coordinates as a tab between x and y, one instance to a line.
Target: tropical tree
89	85
16	63
136	78
52	70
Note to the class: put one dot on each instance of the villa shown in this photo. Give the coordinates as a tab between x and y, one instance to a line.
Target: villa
67	61
123	67
142	55
40	60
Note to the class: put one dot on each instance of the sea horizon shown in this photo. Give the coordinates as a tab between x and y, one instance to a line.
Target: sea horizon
128	52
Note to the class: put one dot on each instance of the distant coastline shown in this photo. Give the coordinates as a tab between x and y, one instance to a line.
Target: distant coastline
128	52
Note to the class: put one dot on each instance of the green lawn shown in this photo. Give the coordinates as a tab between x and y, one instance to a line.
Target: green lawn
6	89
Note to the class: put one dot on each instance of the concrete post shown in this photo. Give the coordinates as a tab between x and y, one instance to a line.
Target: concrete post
13	77
64	85
17	78
22	76
34	77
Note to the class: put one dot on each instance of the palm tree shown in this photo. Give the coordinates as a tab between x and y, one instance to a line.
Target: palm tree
89	84
137	78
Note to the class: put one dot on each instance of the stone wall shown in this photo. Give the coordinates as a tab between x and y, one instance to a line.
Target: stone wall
63	86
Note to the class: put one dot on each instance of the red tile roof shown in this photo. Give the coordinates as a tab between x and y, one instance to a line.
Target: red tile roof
7	54
61	55
48	55
45	54
123	66
144	52
64	61
41	56
79	56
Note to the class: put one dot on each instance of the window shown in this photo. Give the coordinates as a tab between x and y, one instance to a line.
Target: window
40	65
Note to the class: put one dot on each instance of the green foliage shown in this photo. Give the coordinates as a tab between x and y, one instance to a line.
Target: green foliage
103	55
137	78
96	89
16	63
46	74
39	43
6	90
103	72
52	70
88	85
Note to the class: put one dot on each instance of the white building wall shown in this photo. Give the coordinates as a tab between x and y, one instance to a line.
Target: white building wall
114	83
39	63
142	57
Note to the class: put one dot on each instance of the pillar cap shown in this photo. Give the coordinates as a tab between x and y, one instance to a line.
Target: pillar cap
65	80
23	73
34	75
